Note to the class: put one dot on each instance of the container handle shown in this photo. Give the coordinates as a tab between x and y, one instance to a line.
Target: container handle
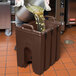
27	26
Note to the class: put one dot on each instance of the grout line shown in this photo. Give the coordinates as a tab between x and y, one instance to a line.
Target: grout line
11	66
69	55
4	46
64	65
30	73
54	70
7	55
30	70
74	56
2	55
12	55
17	71
6	58
65	68
43	74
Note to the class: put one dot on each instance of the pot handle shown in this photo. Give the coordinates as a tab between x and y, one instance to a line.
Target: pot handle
27	26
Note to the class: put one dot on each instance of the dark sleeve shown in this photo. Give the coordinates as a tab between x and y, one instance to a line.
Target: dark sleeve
12	2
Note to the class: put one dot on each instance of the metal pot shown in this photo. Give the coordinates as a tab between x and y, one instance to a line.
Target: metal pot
24	15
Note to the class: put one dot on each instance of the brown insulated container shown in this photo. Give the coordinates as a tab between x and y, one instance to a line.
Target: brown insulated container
42	48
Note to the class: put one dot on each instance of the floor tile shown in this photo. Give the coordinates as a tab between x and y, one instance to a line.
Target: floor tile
11	70
72	72
11	44
74	59
2	74
11	52
22	69
2	58
12	74
68	45
24	74
72	54
59	66
50	68
62	73
66	60
70	49
49	73
2	64
11	64
3	43
3	53
2	70
58	62
3	48
11	58
27	69
31	69
74	45
12	40
11	48
70	66
64	55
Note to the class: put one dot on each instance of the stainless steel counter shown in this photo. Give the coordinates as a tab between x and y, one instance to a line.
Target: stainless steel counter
71	12
5	15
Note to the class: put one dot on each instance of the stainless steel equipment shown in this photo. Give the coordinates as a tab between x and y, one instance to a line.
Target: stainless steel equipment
5	17
70	12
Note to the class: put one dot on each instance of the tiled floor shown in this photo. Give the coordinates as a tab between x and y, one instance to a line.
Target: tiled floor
65	66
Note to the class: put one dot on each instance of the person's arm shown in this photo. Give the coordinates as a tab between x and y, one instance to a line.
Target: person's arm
47	7
19	3
48	1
